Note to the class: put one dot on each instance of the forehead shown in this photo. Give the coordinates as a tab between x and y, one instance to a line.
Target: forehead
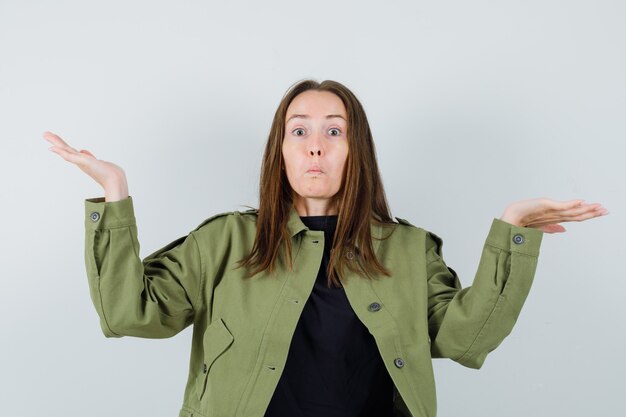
316	104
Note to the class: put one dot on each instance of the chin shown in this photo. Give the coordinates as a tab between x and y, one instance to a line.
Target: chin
314	194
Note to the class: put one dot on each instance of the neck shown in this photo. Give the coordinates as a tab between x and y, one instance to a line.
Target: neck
314	207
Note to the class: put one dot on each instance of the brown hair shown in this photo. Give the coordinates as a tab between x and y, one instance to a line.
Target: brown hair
360	199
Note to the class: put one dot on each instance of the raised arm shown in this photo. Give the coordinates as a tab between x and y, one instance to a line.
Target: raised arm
465	324
155	297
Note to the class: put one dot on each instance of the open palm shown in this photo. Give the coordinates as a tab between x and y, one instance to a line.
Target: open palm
545	214
103	172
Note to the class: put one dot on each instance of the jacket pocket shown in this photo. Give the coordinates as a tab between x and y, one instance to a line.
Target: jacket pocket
217	338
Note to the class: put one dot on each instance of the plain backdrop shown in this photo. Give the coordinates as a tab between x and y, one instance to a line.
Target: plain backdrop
473	105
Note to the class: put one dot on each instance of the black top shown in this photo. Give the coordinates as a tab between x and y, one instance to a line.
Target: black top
333	368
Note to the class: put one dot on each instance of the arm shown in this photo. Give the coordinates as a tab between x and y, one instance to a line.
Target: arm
156	297
466	324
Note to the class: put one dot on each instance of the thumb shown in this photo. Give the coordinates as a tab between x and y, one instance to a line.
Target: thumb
87	152
553	228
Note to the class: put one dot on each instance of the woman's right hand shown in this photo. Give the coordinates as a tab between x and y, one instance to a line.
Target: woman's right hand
111	177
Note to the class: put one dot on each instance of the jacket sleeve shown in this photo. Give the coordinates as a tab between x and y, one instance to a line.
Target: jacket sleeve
156	297
465	324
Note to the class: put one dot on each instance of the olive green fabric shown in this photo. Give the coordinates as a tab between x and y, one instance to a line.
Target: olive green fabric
242	328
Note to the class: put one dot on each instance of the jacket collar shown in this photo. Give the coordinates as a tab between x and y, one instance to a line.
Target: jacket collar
295	226
294	223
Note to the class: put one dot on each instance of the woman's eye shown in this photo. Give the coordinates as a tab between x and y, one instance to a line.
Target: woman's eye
295	131
335	130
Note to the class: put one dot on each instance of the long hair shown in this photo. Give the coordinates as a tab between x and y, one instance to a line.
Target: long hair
360	200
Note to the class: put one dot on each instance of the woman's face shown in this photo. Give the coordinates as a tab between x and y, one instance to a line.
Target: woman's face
315	149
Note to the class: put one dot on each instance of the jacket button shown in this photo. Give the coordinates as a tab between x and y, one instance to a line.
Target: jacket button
373	307
95	216
204	368
518	239
398	362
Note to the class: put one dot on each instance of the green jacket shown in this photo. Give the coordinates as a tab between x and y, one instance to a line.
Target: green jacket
242	329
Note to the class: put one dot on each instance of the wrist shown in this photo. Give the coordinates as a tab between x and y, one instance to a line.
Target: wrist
116	191
510	217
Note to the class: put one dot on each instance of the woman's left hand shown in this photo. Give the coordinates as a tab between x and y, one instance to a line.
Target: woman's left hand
545	214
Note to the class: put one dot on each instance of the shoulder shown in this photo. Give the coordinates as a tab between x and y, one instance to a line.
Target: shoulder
407	226
405	222
433	242
404	228
228	218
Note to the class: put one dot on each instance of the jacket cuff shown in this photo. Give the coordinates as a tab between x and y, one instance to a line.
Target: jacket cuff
506	236
101	215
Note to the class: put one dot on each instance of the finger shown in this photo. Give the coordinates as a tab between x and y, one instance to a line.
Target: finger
557	204
572	214
75	158
559	219
56	141
571	203
53	139
579	210
591	210
65	148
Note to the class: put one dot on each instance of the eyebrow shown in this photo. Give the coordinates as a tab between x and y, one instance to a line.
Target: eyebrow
306	116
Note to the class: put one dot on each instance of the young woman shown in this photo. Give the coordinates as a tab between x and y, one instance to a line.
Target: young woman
317	303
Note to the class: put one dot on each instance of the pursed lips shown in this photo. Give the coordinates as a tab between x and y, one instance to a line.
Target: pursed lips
315	170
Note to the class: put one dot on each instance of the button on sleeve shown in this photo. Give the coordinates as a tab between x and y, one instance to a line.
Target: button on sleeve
118	213
507	236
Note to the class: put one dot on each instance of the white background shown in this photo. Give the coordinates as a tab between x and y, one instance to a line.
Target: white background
473	105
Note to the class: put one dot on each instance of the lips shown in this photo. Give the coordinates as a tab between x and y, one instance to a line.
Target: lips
315	170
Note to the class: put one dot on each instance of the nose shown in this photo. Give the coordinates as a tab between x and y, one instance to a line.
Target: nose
314	146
